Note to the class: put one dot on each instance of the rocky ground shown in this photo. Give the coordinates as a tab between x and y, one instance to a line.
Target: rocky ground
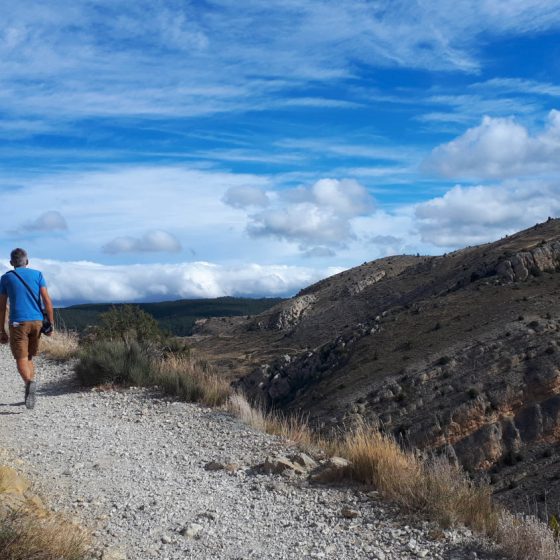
137	470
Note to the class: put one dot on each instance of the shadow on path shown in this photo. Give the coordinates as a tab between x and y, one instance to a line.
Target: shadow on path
11	412
63	386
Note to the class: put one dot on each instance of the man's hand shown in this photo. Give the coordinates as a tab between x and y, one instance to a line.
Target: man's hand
4	338
51	333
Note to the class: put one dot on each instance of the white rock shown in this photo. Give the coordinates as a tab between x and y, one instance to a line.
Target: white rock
192	531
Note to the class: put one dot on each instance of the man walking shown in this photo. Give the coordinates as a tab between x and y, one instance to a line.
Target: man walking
25	288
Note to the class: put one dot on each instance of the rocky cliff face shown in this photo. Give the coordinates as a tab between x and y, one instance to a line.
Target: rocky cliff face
484	404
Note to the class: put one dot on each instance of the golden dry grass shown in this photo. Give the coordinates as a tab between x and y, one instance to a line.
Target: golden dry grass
61	346
291	428
191	379
26	537
434	487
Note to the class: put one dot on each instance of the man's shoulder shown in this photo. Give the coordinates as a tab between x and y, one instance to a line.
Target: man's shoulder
4	281
29	272
35	275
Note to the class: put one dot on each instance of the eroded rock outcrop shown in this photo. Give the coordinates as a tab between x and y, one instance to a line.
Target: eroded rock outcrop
362	284
545	258
291	312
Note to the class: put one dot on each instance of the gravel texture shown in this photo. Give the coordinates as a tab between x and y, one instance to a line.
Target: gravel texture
129	465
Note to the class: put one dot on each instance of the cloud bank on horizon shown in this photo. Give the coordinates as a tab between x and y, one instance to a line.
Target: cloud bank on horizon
153	150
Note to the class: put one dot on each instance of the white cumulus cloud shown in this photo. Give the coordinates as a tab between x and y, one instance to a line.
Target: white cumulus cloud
316	215
499	148
472	215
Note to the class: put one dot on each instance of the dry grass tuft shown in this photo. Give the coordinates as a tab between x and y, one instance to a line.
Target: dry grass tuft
191	379
432	486
61	346
379	461
25	537
522	537
453	499
292	428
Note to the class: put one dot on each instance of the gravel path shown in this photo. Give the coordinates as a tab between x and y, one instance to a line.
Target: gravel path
130	466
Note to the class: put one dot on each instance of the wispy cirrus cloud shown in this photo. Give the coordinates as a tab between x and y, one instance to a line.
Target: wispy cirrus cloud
240	56
518	86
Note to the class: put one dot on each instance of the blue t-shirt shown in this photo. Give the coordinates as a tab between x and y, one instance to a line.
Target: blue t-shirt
23	306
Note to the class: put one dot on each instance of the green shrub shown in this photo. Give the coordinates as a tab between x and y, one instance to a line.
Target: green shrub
128	322
554	527
114	362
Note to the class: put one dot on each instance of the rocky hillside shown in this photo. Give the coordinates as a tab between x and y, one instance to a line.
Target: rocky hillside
458	354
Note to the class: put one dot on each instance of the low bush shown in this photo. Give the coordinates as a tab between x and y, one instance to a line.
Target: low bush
522	537
114	362
173	369
472	392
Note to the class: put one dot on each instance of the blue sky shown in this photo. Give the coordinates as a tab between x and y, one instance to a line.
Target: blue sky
163	149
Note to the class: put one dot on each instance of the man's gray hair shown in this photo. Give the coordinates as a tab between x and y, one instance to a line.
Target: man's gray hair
18	257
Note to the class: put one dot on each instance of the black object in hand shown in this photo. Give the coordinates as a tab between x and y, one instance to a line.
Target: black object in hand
47	327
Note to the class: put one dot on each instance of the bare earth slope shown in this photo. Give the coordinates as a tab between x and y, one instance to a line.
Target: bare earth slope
458	354
130	466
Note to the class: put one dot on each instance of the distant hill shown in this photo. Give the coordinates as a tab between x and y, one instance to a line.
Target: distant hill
178	317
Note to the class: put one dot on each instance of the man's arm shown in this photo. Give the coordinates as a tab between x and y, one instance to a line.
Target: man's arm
48	305
3	306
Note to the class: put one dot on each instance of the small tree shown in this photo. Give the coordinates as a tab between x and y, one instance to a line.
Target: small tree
128	322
